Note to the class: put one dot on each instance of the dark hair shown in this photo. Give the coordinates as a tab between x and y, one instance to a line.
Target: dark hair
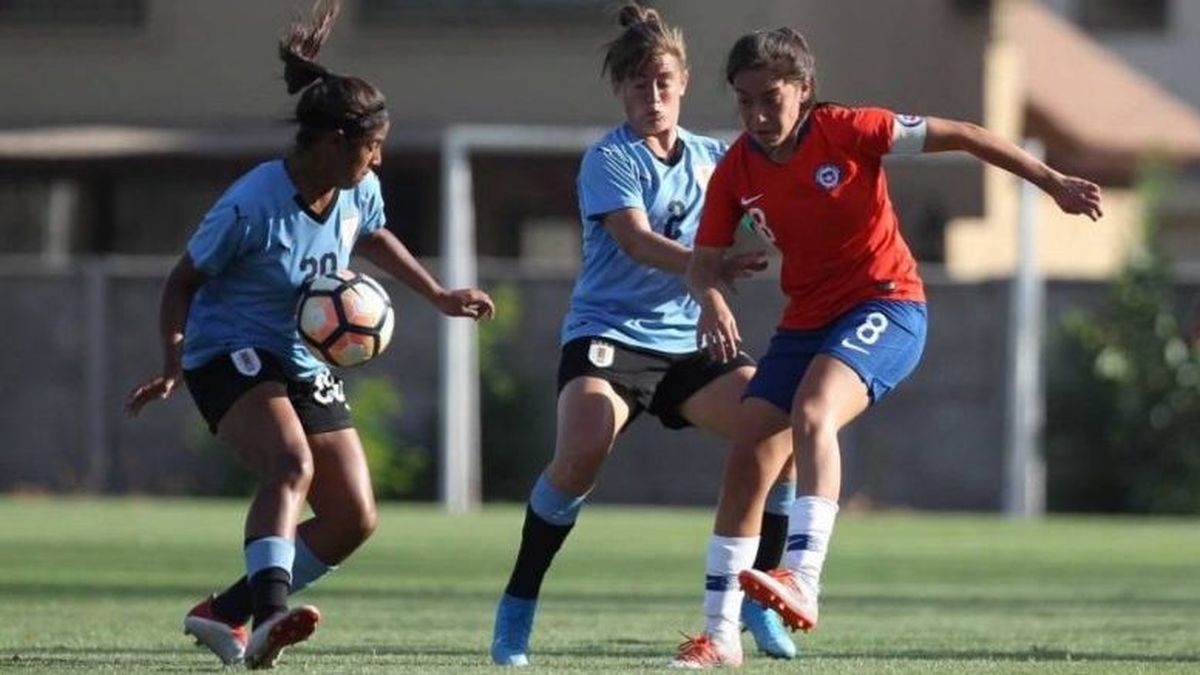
645	36
782	51
329	101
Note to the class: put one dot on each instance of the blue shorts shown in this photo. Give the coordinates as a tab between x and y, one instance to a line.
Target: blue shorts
881	340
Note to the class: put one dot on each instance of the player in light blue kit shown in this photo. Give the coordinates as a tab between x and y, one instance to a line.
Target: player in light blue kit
228	328
629	338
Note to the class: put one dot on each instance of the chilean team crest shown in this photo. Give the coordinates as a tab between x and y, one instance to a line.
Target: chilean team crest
828	176
910	120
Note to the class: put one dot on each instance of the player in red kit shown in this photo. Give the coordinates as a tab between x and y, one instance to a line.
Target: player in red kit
809	177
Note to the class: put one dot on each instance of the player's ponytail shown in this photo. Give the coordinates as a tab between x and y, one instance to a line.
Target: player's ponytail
644	37
329	101
782	51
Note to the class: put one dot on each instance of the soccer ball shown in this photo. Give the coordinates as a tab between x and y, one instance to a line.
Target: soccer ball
345	318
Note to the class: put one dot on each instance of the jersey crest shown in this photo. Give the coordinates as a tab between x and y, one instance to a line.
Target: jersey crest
828	176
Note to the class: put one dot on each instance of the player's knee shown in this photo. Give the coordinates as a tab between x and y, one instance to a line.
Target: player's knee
577	473
812	420
365	521
293	468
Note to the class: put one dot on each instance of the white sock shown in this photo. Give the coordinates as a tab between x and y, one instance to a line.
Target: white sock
722	594
810	525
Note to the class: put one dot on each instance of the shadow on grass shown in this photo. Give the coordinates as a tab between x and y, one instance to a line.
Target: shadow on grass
1033	654
80	590
88	659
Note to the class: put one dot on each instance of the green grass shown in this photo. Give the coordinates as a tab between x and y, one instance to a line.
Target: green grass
100	586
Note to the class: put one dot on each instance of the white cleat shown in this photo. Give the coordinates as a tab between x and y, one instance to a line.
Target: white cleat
703	651
268	641
225	640
781	591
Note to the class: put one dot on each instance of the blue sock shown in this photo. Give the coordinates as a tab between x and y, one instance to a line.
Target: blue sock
307	567
780	499
549	518
267	552
553	506
269	571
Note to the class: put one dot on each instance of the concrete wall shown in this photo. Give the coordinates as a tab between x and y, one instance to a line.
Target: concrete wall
936	443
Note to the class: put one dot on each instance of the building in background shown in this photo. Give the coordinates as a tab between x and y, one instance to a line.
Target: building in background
170	100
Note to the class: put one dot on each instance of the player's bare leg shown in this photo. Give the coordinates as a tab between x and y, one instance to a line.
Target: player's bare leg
830	395
760	451
590	414
716	408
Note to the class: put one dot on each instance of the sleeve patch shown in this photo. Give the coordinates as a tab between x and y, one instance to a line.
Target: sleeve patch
908	135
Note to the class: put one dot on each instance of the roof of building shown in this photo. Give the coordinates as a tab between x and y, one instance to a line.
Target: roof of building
1091	106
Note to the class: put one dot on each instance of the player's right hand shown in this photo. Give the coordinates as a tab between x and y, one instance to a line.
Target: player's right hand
718	332
156	389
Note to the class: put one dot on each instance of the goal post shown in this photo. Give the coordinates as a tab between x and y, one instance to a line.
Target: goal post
459	483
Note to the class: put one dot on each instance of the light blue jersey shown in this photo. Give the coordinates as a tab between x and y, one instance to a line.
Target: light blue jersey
615	296
258	246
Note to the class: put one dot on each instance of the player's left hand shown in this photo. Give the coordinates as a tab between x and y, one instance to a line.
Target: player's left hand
1076	196
468	302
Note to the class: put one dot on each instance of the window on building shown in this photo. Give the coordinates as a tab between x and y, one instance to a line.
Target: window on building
372	12
52	13
1124	15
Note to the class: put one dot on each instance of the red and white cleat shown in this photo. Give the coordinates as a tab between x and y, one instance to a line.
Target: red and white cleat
780	590
703	651
226	640
280	631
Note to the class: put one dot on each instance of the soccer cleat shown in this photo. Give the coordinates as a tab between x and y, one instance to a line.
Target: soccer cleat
226	640
779	590
282	630
703	651
768	631
510	638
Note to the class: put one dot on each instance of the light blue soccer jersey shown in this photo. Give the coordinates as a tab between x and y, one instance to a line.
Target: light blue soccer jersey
259	246
615	296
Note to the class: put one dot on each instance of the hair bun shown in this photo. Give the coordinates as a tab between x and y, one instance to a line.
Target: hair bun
632	14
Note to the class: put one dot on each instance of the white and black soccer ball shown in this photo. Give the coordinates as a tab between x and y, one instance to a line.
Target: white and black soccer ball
345	318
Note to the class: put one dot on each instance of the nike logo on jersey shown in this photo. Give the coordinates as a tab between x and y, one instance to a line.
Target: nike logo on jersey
747	201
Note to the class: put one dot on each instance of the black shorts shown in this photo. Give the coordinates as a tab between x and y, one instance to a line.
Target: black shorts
215	386
656	382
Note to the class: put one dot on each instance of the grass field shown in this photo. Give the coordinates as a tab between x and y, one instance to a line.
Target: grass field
101	586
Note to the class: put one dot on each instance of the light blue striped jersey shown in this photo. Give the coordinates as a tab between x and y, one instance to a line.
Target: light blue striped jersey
258	246
615	296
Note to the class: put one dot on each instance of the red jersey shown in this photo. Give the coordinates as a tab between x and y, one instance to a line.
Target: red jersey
826	209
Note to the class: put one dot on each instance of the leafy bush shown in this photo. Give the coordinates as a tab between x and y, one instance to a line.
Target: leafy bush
1123	406
513	450
398	470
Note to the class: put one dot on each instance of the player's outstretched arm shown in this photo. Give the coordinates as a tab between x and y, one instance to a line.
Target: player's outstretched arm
388	253
183	282
1072	194
717	330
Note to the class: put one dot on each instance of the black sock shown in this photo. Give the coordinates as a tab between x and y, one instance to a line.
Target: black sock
772	541
540	540
268	593
235	605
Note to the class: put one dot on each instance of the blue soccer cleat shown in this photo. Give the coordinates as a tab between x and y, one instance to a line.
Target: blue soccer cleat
510	639
768	630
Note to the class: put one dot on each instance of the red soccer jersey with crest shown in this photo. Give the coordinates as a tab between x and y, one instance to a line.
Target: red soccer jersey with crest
826	209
